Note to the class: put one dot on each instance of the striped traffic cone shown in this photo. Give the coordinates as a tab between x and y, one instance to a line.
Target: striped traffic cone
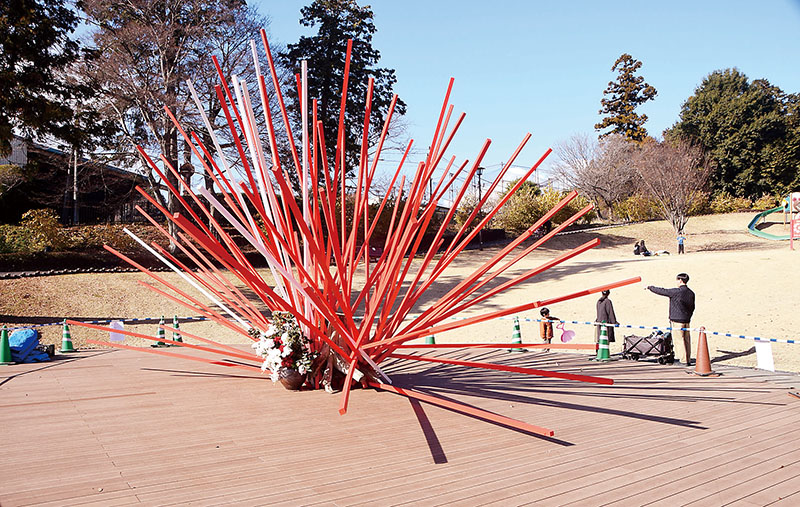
5	348
516	338
176	336
603	353
66	339
430	340
160	335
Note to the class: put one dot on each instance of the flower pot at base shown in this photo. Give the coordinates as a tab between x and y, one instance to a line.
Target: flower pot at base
291	379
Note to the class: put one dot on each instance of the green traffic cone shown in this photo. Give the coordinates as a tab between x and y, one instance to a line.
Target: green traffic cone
160	335
516	338
430	340
66	339
5	348
176	337
602	349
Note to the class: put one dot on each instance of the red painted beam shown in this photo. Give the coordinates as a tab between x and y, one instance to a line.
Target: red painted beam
237	354
177	356
500	313
512	369
564	346
465	409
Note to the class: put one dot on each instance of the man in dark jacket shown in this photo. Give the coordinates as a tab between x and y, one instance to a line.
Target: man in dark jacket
681	308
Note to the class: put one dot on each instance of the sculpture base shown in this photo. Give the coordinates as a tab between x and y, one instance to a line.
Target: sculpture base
291	379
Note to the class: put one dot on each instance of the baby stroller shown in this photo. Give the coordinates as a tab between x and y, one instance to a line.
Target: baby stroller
657	344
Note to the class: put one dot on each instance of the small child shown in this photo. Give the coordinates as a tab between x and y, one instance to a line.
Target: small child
681	239
546	326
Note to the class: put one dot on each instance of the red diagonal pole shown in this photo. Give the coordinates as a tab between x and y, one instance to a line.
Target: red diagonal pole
465	409
394	293
564	346
174	355
237	354
185	334
500	313
242	310
446	307
519	279
461	290
512	369
304	241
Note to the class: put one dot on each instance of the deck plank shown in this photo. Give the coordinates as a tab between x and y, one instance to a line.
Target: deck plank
118	428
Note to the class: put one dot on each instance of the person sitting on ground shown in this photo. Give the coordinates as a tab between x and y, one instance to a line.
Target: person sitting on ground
546	326
637	249
643	249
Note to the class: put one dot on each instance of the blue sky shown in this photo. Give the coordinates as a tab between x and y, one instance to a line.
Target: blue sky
541	67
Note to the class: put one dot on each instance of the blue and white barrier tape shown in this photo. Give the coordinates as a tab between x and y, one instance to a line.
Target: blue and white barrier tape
667	328
628	326
107	321
524	319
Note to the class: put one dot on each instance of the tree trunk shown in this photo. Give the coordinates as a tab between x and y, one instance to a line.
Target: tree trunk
170	144
207	180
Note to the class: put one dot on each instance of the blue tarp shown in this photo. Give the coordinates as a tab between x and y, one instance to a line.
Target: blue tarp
23	343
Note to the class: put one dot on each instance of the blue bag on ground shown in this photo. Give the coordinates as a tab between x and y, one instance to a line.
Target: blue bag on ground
23	343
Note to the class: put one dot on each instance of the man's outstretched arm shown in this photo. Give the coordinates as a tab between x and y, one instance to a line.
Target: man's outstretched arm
662	291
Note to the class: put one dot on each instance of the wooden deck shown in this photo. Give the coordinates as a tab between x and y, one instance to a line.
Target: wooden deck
119	427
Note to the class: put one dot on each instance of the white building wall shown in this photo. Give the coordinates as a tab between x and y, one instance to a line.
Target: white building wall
19	153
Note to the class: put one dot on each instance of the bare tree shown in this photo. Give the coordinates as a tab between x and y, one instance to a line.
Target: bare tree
601	171
229	42
673	174
144	49
147	52
576	155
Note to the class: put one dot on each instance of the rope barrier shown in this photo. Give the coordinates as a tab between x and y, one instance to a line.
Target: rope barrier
629	326
667	328
523	319
107	321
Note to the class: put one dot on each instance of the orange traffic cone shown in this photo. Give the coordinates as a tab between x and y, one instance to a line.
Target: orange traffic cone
702	365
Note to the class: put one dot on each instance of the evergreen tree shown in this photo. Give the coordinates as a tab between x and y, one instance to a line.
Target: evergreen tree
750	129
36	96
622	98
336	22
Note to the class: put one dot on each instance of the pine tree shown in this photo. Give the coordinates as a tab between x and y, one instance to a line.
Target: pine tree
622	98
336	22
36	96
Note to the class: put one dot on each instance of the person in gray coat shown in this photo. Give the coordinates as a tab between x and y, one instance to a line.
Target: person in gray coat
605	313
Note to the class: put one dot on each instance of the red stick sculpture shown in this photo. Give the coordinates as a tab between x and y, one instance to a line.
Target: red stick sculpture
315	239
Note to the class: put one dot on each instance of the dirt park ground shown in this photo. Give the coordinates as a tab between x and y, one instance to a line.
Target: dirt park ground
744	285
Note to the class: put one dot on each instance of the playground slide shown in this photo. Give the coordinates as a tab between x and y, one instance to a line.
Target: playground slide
751	228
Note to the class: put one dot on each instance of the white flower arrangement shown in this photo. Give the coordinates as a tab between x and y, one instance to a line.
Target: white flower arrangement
283	346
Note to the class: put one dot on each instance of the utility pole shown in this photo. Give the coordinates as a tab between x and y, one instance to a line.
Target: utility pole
479	172
452	185
430	183
75	187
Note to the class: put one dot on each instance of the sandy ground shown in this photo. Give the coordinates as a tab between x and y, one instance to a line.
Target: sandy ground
744	286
